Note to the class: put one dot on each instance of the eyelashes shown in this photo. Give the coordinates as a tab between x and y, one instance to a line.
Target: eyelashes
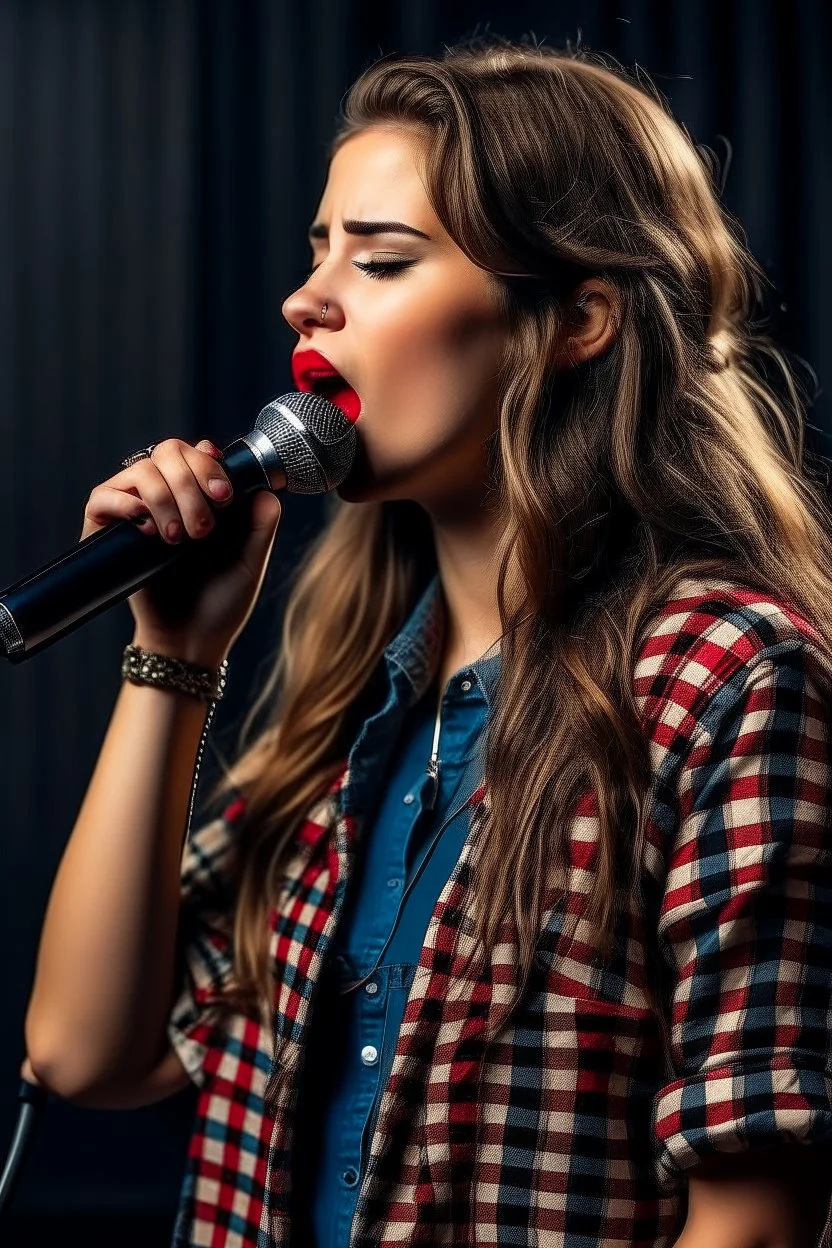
378	269
382	268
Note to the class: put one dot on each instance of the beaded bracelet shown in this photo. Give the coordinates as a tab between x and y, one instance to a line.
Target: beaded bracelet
143	667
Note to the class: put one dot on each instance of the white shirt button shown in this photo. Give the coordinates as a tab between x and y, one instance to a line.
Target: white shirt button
408	799
371	989
466	685
369	1055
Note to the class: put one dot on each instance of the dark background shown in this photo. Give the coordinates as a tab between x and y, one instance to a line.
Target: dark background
159	165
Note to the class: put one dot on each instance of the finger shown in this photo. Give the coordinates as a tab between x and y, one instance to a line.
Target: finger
107	504
205	444
212	477
178	485
209	453
175	463
145	480
150	480
126	478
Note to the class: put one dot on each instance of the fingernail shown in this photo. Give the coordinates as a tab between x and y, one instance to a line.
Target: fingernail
173	531
218	488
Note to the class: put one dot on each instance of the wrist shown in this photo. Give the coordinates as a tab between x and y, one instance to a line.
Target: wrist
186	648
146	667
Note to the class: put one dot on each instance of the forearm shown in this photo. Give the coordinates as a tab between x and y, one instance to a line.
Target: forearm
104	977
775	1197
725	1237
733	1237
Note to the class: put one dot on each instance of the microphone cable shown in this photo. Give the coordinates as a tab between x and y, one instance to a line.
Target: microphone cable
33	1098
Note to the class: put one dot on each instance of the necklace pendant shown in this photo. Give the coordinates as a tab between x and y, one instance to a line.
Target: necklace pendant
433	764
433	784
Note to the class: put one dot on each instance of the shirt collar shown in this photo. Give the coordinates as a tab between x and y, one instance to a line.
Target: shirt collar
416	650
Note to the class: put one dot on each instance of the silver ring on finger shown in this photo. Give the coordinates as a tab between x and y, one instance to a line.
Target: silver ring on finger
137	455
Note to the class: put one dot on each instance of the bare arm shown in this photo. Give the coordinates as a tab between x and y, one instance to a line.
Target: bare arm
104	978
96	1022
771	1198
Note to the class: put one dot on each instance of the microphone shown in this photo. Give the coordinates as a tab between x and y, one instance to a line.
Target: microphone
300	442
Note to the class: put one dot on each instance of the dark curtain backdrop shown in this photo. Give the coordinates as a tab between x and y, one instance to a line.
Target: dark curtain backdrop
159	164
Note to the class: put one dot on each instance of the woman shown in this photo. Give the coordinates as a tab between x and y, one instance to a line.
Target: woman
515	926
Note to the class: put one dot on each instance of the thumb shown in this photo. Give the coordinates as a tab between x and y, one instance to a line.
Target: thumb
266	511
28	1074
263	520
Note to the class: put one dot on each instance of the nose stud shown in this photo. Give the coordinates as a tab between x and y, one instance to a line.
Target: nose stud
324	312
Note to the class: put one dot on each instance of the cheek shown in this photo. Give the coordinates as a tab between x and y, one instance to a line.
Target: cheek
436	359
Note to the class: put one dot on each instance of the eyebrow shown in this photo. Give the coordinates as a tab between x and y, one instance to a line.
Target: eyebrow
319	230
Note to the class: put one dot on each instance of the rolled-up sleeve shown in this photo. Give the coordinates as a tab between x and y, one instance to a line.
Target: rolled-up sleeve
205	937
745	925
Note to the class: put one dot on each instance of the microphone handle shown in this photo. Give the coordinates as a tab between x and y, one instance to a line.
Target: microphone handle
32	1098
103	569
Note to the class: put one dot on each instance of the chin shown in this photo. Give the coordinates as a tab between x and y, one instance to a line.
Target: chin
365	484
354	490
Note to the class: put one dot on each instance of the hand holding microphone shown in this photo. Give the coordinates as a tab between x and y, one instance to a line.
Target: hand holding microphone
195	608
208	568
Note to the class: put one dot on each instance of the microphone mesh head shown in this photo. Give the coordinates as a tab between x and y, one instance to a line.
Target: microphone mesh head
313	438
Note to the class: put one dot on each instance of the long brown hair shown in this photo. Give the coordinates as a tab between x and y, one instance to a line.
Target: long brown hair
672	455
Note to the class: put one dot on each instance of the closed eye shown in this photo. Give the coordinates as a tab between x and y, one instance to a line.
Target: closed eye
374	268
382	268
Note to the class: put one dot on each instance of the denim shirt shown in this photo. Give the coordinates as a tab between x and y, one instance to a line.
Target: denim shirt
414	830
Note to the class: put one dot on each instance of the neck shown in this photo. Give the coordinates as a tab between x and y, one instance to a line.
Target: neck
466	560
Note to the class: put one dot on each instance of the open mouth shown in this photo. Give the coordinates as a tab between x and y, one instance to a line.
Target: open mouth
338	391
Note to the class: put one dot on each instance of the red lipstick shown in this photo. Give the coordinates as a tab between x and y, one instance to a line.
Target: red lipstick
314	373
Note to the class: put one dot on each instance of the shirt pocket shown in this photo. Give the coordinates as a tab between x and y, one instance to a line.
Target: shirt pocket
573	968
602	1034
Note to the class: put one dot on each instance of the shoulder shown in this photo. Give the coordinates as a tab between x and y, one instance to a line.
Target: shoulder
708	641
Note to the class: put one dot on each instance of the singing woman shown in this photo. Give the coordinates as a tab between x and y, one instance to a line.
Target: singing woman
513	922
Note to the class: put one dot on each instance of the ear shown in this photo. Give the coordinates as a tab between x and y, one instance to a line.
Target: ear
591	323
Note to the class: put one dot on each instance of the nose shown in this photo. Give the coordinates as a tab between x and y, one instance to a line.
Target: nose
302	309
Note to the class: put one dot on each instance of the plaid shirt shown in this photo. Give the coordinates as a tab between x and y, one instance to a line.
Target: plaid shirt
574	1122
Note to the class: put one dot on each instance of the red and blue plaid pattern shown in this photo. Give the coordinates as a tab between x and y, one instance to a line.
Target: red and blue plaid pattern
573	1122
